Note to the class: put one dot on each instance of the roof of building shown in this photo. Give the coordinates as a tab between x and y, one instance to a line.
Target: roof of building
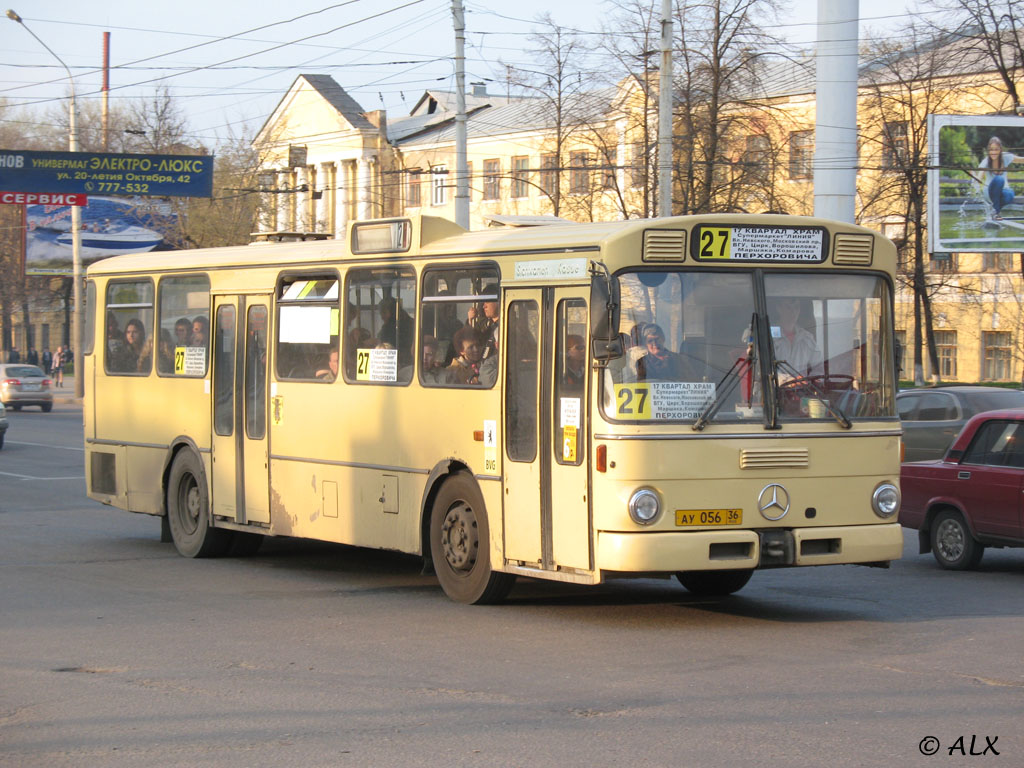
336	96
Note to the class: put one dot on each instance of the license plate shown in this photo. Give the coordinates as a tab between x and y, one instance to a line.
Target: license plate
30	387
694	517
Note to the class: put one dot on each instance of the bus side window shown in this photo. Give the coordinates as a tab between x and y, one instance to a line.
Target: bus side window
184	306
224	371
523	331
308	328
571	381
380	325
129	327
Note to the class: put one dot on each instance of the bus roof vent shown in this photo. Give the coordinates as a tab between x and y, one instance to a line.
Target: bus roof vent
852	250
664	245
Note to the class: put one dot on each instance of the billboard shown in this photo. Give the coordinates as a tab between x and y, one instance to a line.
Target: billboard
105	173
975	184
110	227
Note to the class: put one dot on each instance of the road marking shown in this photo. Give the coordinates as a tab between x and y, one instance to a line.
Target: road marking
33	477
44	445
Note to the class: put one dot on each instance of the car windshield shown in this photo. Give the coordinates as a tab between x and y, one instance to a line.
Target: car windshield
24	371
698	345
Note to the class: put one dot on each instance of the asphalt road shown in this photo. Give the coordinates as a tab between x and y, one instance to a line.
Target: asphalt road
115	651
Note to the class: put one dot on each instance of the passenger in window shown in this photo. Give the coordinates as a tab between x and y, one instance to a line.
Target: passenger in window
465	368
489	367
430	352
575	361
134	346
182	331
165	352
397	328
659	363
487	320
330	373
200	332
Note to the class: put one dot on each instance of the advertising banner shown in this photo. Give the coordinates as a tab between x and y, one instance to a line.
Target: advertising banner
104	173
110	226
976	184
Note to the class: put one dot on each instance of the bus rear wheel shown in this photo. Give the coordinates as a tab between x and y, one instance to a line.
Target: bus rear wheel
459	544
714	583
188	510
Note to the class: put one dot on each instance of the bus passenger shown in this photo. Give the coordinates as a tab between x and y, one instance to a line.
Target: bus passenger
466	365
330	373
575	357
200	332
182	331
659	363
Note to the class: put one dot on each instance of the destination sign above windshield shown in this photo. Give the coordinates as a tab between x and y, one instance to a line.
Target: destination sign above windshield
103	173
731	243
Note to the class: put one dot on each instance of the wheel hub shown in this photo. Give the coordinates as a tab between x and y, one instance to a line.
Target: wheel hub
459	537
191	508
950	540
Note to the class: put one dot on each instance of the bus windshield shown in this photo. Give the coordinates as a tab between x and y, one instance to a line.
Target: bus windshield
694	349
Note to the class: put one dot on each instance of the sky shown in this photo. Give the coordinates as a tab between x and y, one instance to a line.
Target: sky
229	62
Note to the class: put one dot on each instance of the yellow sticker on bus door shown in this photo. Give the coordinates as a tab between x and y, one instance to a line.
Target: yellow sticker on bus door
569	444
715	243
633	401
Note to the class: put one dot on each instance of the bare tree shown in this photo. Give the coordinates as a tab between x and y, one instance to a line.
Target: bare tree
995	30
906	81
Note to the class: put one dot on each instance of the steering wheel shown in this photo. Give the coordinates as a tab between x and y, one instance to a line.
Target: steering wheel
827	382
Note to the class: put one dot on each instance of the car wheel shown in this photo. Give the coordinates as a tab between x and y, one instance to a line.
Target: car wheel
952	543
46	407
714	583
188	510
460	544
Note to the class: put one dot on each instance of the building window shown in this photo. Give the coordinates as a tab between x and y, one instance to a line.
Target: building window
413	198
943	262
997	262
520	176
549	173
492	180
439	185
755	155
579	175
998	355
801	154
945	344
895	147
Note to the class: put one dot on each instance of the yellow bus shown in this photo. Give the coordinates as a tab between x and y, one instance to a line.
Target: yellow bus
698	396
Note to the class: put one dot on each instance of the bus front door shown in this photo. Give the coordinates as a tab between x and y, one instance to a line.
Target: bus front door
545	482
241	487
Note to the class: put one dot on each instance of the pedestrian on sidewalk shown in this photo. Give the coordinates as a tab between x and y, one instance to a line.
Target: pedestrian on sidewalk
57	367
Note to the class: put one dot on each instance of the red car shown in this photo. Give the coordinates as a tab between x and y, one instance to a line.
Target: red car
973	497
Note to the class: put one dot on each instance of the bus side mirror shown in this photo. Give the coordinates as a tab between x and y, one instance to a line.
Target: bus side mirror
604	314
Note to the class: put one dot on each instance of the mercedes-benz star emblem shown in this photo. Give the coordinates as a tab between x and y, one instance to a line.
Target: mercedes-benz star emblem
773	503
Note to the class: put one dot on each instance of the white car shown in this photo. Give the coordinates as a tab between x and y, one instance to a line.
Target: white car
22	384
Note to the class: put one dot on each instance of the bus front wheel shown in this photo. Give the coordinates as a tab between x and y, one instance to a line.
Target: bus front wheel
460	544
188	510
714	583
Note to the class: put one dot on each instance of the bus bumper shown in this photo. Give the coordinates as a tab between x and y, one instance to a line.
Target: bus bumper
725	550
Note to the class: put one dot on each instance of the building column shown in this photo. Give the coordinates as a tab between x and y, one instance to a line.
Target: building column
342	190
324	184
282	201
302	177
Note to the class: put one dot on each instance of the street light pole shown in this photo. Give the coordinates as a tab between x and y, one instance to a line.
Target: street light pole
76	222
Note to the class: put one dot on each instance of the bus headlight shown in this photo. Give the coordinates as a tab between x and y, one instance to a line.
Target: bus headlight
644	506
886	500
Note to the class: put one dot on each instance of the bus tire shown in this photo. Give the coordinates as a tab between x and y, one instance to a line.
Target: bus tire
188	510
714	583
459	544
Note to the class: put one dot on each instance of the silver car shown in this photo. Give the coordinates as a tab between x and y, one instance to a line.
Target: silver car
25	385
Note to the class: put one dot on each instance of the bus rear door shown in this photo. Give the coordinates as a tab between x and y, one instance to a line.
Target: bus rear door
241	487
546	495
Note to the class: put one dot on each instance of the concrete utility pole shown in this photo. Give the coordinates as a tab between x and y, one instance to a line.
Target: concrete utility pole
461	163
665	113
835	135
76	223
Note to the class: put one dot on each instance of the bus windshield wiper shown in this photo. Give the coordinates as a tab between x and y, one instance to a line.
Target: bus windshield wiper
805	381
728	382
